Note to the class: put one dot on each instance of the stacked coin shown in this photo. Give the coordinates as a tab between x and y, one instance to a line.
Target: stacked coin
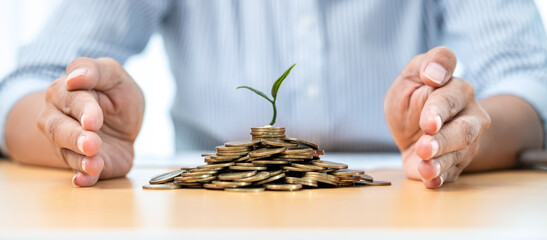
268	161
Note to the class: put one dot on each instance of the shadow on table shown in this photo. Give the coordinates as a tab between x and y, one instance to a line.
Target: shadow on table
118	183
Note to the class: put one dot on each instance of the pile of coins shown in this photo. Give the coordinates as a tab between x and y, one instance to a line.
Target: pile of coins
268	161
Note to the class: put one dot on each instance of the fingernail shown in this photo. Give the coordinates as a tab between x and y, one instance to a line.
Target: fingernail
74	178
82	119
83	165
437	168
442	180
435	72
439	122
434	147
80	143
75	73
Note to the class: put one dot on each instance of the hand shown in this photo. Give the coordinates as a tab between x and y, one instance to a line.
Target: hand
434	118
92	118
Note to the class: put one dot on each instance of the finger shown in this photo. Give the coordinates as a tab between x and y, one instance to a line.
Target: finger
437	66
433	168
65	132
455	135
102	74
410	165
80	105
92	166
444	103
82	180
450	175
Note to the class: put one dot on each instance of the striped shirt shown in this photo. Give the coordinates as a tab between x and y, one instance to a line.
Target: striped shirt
349	53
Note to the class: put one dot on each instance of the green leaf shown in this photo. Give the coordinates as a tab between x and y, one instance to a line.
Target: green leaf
278	82
257	92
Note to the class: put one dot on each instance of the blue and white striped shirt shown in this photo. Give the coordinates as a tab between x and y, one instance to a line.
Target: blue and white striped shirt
349	53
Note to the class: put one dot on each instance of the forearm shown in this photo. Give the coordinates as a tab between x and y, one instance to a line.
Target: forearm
515	126
24	140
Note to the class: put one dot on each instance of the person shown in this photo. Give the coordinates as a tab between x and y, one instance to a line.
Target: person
70	103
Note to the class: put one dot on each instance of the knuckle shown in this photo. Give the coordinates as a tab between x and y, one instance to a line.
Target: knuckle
51	91
468	89
69	101
52	127
468	132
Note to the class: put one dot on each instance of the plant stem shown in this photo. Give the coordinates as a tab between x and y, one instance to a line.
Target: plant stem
274	113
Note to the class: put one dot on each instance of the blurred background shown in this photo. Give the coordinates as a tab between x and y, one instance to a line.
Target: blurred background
21	20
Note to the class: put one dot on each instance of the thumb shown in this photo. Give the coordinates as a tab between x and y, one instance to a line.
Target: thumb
437	66
101	74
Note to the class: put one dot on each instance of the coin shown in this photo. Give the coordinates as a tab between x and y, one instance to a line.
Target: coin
271	179
248	168
278	143
227	184
298	151
266	152
244	189
302	181
295	169
329	164
347	172
220	165
212	186
236	175
366	177
283	187
255	178
307	143
307	166
374	183
189	174
160	186
266	162
241	143
166	177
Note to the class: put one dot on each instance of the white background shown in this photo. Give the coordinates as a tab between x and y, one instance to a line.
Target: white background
20	20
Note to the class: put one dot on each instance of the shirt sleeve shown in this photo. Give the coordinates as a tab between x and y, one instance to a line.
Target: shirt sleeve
85	28
502	46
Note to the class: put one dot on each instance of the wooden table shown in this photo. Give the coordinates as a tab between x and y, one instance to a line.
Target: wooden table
41	202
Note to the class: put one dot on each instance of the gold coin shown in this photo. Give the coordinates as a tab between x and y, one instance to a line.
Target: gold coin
255	178
303	181
374	183
295	169
266	162
366	177
323	176
271	179
190	174
212	186
224	157
347	172
233	149
307	143
321	180
166	177
207	154
210	160
248	168
242	143
270	128
278	143
236	154
283	187
298	151
227	184
160	186
243	159
328	170
266	152
213	166
236	175
273	173
244	189
197	179
187	184
246	164
295	156
329	164
307	166
350	178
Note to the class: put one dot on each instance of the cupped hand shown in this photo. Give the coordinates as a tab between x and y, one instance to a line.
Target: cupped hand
92	118
434	118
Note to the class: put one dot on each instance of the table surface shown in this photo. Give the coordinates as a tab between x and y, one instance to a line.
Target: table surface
43	200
